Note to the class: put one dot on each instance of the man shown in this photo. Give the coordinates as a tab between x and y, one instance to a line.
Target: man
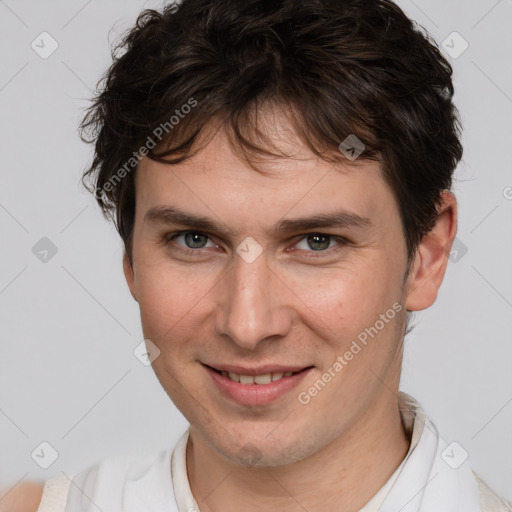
280	175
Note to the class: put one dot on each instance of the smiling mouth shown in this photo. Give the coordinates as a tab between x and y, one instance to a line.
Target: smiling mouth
262	379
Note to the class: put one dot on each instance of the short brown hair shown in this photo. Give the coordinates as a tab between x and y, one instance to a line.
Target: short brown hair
345	67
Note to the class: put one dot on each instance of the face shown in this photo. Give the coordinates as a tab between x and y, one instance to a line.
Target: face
295	296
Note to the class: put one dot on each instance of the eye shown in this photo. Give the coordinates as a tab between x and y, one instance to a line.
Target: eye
192	239
313	244
319	242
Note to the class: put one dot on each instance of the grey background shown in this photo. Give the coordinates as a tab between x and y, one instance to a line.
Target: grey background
68	375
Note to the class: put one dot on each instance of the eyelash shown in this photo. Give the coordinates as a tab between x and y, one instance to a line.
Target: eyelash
170	237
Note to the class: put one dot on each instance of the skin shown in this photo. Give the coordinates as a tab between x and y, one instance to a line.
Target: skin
292	305
286	307
25	497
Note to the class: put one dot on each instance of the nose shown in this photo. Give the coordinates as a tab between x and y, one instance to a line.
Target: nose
251	304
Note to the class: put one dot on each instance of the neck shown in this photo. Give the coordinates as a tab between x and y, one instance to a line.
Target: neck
343	476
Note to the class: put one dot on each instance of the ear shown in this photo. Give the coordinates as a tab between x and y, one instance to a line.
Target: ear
129	274
431	257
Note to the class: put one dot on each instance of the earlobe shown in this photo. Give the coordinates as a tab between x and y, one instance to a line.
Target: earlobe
431	258
129	274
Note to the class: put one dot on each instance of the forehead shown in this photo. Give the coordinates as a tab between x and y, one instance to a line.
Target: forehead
219	181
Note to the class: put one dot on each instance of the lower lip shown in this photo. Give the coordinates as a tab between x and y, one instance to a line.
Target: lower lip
256	394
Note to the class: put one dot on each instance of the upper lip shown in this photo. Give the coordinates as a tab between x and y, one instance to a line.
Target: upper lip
259	370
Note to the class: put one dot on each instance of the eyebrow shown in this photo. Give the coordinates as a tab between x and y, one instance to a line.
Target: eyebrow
335	219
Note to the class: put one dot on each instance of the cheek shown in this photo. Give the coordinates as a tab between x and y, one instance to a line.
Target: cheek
342	296
347	303
169	299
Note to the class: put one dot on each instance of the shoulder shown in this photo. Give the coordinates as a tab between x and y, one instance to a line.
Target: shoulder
24	497
111	484
54	494
489	500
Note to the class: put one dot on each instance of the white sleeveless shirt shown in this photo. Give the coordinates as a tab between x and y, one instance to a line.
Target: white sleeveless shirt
424	481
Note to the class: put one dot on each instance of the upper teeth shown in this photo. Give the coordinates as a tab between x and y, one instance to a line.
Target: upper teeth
267	378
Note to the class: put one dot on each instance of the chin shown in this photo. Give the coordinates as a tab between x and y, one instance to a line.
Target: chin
251	451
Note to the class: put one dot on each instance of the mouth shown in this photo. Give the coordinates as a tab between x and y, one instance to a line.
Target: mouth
260	379
256	386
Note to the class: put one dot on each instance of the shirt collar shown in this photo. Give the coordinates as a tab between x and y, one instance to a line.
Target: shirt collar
423	478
